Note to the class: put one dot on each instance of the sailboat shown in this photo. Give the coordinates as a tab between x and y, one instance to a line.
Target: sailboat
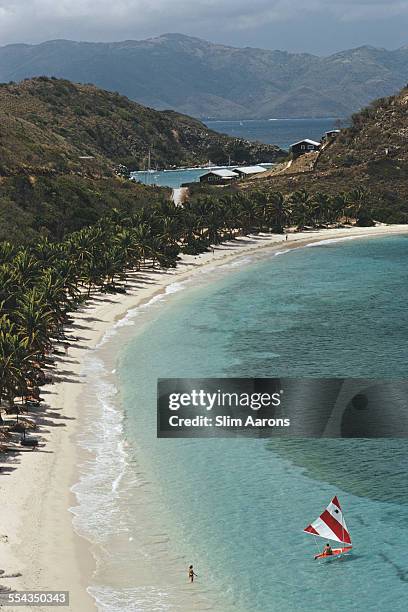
330	525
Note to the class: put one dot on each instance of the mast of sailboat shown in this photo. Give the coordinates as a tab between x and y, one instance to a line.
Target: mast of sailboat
147	171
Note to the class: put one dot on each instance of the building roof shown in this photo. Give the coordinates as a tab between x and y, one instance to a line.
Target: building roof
250	169
308	141
222	173
333	131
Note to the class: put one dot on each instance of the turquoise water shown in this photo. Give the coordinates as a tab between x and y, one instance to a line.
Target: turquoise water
282	132
169	178
237	508
174	178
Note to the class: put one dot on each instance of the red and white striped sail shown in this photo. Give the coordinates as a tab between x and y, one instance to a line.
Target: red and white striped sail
331	524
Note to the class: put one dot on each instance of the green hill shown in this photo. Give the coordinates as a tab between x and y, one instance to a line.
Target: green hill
63	145
378	136
51	125
370	156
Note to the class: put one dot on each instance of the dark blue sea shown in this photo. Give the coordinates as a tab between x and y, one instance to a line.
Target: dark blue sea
282	132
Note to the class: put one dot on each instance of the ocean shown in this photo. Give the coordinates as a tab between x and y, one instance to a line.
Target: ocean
282	132
236	508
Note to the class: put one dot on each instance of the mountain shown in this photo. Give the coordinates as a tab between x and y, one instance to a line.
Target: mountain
205	80
63	147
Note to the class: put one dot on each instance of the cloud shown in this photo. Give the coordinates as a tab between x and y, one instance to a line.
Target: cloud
359	10
36	20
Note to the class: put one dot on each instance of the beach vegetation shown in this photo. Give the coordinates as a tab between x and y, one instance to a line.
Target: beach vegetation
42	283
68	149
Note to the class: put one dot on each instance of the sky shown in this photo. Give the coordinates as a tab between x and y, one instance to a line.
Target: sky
314	26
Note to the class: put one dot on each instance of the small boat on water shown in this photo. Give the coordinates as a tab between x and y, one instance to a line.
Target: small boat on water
330	525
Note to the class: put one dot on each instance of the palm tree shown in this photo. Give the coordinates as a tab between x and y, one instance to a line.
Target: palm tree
7	252
339	203
356	200
279	211
127	244
320	207
26	267
262	209
10	286
45	252
302	208
142	240
15	355
34	322
246	214
111	263
59	295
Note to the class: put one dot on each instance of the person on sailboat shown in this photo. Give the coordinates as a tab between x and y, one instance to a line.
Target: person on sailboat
331	525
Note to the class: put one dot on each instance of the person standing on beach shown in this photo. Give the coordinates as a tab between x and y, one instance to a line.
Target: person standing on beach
191	573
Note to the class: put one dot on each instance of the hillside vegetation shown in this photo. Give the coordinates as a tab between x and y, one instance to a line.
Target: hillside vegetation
50	125
378	136
203	79
371	157
63	148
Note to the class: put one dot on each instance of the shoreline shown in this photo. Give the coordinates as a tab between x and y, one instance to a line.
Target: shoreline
37	536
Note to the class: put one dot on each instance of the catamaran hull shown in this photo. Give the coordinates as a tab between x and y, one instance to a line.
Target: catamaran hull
337	552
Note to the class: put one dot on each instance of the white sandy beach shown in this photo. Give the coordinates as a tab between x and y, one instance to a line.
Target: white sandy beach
37	538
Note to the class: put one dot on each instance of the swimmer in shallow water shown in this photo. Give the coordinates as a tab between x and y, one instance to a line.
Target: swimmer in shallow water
191	573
